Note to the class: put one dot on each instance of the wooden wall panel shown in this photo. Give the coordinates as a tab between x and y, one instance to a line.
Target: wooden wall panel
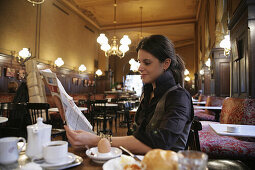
224	79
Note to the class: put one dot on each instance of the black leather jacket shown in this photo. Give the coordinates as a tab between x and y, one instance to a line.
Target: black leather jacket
173	126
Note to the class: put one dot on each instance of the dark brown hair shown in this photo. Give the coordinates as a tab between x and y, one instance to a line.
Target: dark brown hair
162	48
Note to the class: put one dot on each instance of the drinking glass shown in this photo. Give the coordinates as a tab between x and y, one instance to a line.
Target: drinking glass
192	160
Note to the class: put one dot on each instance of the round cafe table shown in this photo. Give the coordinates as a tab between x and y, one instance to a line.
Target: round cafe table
87	163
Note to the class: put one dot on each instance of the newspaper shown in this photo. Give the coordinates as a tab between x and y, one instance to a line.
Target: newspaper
66	106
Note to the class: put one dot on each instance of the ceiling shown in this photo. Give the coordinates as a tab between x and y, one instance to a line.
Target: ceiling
173	18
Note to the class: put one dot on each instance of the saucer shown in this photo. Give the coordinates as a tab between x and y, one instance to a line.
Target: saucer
102	158
69	159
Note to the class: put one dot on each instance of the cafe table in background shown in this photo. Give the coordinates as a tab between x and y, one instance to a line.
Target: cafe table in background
55	109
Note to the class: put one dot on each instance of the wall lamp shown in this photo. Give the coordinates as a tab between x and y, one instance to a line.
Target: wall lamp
59	62
82	68
99	72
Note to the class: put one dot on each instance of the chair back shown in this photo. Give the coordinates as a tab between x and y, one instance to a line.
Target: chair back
202	98
232	111
193	142
38	110
249	112
213	101
17	119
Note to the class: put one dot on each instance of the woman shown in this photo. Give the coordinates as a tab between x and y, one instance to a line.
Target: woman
161	69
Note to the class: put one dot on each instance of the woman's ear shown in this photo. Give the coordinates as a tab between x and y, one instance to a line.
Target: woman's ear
167	63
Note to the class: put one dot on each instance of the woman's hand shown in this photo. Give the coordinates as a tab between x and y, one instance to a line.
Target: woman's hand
80	138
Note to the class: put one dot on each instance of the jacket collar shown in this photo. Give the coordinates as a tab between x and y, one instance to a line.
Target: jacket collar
163	83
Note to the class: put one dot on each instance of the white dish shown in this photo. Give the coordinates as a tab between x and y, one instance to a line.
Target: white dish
3	119
116	164
69	159
101	158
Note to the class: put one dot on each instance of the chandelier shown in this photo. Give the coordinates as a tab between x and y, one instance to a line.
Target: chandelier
114	49
36	2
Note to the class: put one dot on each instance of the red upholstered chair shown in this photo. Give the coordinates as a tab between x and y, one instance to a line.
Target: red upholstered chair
207	114
232	111
6	97
202	98
248	117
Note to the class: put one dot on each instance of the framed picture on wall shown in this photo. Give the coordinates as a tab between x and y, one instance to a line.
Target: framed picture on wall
10	72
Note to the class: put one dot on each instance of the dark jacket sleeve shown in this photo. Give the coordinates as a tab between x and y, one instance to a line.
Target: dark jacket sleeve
177	114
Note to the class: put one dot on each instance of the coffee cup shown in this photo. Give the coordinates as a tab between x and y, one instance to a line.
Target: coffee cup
9	151
55	151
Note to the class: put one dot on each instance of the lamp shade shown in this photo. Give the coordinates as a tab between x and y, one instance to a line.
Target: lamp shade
105	47
59	62
187	78
124	48
102	39
186	72
208	62
82	67
99	72
24	53
202	72
125	40
225	43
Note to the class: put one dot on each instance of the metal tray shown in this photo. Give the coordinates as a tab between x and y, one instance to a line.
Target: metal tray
23	160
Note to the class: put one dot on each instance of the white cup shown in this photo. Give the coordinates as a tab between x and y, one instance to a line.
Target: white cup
55	151
9	151
233	129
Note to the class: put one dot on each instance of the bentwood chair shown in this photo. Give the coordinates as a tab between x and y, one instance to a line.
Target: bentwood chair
99	116
36	110
17	120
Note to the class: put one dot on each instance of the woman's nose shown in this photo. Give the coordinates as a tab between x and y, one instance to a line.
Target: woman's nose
140	68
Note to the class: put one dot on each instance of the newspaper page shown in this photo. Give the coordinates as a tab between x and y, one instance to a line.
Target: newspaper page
67	108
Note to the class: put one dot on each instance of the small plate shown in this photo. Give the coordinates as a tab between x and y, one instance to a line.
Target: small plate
116	164
101	158
69	159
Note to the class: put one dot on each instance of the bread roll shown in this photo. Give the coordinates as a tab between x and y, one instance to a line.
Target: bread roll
160	159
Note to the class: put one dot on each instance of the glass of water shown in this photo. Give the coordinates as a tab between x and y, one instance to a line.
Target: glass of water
192	160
